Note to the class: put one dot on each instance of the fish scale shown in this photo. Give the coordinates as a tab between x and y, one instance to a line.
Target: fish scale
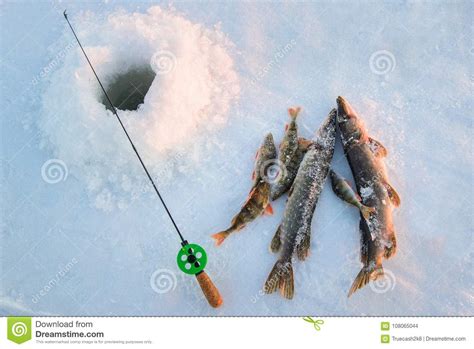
293	234
258	200
378	241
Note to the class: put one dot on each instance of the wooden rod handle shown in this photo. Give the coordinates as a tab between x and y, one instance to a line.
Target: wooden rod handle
209	289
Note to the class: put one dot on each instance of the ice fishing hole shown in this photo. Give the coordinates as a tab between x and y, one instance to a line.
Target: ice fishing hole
127	91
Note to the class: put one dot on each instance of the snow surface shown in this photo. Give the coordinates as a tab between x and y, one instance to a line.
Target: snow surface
81	231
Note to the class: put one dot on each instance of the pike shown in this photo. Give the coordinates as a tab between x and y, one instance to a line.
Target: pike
365	154
258	200
344	191
293	234
292	150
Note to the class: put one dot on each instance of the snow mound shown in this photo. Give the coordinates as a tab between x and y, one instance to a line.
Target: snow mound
173	82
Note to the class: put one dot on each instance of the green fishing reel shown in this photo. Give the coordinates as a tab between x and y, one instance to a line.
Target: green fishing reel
192	259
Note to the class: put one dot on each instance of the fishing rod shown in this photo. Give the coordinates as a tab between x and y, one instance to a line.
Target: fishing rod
191	258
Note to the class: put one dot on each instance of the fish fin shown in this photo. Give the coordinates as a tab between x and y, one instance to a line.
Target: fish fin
251	193
363	278
256	154
268	210
294	112
253	175
302	249
364	137
304	143
221	236
392	194
275	245
391	250
281	277
366	210
290	191
377	148
286	127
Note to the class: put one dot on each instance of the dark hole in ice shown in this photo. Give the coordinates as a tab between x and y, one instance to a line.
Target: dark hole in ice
127	91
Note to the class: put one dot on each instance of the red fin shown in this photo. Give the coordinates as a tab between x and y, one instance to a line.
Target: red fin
220	237
250	195
392	194
364	137
304	143
269	210
377	148
256	154
294	111
253	175
286	127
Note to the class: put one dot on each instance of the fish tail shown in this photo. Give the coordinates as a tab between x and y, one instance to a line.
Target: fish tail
294	112
281	277
366	211
363	278
221	236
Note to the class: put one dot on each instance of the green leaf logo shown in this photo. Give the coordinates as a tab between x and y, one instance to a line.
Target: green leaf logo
19	329
316	323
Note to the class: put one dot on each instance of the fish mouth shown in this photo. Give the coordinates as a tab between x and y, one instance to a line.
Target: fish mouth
268	146
269	143
269	137
344	109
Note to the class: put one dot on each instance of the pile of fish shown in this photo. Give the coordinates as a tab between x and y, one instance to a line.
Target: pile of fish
303	166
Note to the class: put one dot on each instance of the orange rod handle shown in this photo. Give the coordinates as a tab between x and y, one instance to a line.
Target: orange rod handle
209	289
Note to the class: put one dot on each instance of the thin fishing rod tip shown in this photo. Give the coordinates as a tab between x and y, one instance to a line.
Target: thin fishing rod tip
65	14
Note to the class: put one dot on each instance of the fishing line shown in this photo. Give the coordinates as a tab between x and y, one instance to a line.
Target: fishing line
191	258
114	110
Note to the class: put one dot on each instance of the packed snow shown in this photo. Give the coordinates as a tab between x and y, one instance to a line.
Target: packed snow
190	96
83	234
